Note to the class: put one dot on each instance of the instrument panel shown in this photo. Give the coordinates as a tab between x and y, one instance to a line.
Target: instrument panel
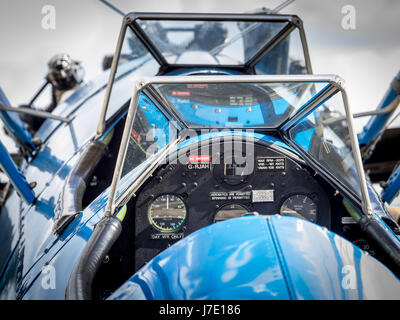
201	187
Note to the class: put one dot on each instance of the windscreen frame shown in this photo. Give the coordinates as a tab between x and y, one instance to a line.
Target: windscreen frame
292	21
335	81
130	21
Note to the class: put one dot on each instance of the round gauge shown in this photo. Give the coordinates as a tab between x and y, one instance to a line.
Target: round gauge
230	211
301	206
167	212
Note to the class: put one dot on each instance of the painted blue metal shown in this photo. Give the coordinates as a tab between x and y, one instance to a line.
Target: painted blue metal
61	255
10	226
9	278
243	266
262	257
62	148
392	186
15	176
374	126
15	126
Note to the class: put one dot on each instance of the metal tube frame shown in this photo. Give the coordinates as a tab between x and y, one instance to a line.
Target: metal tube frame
36	113
335	81
130	118
391	107
305	46
366	204
114	66
130	21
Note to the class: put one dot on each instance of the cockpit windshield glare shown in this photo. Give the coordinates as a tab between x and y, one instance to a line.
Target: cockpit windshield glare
238	105
134	61
325	136
209	42
166	43
286	57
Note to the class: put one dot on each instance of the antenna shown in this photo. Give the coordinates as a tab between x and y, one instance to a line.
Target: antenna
108	4
283	5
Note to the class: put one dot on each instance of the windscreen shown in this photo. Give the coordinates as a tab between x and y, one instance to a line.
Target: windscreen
325	136
238	105
149	43
287	57
134	62
151	132
209	42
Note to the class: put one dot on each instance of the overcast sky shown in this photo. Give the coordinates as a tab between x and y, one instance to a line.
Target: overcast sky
367	57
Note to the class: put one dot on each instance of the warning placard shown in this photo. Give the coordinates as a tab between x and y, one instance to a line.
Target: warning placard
167	236
270	163
230	195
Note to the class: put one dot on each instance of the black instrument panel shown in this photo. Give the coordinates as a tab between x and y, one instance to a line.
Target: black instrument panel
197	189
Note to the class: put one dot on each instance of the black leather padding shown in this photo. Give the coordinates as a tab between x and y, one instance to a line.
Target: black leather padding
389	245
104	235
70	201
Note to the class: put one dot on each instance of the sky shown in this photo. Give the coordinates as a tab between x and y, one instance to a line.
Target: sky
367	56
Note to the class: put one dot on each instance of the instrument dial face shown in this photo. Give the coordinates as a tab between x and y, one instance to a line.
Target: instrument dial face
301	206
230	211
167	212
234	172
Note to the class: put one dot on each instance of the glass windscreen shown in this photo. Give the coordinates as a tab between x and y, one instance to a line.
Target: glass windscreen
287	57
238	105
134	62
325	136
151	131
183	42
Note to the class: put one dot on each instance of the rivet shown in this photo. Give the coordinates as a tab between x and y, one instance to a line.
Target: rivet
106	259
